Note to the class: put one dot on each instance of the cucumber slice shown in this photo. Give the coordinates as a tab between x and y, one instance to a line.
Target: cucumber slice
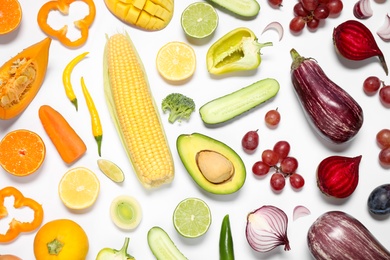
236	103
162	246
246	8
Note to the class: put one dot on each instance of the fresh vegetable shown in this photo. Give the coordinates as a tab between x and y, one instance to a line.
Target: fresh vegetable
300	211
111	170
97	129
384	30
17	227
162	246
179	106
338	235
227	107
379	200
250	141
238	50
134	112
338	176
9	257
61	34
66	78
148	15
362	9
244	8
332	112
65	139
226	246
21	78
354	41
113	254
266	229
126	212
61	239
277	27
11	16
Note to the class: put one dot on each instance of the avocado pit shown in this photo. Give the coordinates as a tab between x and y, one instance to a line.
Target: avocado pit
215	167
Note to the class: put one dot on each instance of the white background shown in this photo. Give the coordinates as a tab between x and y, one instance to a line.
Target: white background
158	204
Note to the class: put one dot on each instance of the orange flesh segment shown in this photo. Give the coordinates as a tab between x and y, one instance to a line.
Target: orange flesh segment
10	15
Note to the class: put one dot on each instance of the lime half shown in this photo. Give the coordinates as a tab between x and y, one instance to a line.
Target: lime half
199	20
192	217
111	170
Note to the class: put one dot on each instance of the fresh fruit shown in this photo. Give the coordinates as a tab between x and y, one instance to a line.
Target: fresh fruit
289	165
379	200
192	217
229	106
11	16
384	157
213	165
79	188
22	152
260	168
383	138
61	239
272	118
371	85
111	170
338	176
199	20
126	212
277	181
162	245
276	3
331	111
282	148
384	95
354	41
244	8
176	61
250	141
270	157
9	257
296	180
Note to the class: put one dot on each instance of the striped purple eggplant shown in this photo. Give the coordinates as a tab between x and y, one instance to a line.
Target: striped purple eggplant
337	235
332	112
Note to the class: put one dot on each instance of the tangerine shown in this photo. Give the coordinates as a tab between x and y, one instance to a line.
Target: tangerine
10	15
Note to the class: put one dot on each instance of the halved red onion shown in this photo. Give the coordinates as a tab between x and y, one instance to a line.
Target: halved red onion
277	27
384	30
300	211
362	9
266	229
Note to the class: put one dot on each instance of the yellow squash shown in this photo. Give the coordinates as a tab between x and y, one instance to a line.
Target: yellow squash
21	78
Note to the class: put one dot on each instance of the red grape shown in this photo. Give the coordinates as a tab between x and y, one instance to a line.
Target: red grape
384	157
282	148
335	6
272	117
297	181
309	5
250	141
321	12
297	24
270	157
313	23
383	138
275	2
384	95
260	168
277	181
300	11
371	85
289	165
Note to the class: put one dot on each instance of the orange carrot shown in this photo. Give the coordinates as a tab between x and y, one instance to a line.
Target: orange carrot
67	142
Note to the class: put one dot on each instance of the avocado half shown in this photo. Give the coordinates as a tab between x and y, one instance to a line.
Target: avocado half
213	165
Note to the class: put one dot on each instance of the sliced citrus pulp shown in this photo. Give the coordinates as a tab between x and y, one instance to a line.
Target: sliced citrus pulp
79	188
176	61
192	217
22	152
199	20
10	15
111	170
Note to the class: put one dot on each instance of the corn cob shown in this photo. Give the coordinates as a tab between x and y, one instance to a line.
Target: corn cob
134	112
150	15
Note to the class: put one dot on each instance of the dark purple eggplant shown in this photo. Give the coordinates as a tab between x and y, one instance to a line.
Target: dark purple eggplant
337	235
331	111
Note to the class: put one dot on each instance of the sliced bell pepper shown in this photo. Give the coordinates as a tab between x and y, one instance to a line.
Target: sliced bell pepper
15	226
61	34
237	50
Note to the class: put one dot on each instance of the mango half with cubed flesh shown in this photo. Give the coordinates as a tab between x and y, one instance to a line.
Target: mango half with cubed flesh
213	165
150	15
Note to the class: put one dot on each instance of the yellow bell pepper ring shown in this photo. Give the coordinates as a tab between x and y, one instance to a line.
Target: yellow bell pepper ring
237	50
61	34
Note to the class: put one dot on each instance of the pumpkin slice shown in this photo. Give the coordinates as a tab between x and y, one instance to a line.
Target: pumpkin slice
10	16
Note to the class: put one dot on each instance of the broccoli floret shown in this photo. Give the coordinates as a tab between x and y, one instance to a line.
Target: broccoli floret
180	107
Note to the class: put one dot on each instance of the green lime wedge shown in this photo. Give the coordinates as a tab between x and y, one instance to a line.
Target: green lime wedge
111	170
199	20
192	217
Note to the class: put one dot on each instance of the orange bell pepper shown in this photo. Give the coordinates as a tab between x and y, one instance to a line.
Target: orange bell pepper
16	226
63	6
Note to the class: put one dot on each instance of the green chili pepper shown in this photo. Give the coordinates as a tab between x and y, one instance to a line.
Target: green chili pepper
237	50
113	254
226	250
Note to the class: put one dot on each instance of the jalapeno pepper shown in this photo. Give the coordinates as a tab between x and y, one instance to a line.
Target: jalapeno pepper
237	50
63	6
226	250
15	226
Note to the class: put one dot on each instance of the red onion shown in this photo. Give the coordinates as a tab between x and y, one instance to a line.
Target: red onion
384	30
362	9
300	211
277	27
266	229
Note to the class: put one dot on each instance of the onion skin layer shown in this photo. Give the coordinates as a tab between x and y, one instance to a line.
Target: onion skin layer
332	112
337	235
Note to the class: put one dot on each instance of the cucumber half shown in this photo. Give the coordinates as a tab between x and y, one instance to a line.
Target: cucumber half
245	8
162	246
236	103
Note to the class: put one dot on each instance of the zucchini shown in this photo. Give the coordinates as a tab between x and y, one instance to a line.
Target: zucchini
236	103
162	246
245	8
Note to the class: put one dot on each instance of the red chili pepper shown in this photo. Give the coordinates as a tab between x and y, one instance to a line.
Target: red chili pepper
63	6
15	226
